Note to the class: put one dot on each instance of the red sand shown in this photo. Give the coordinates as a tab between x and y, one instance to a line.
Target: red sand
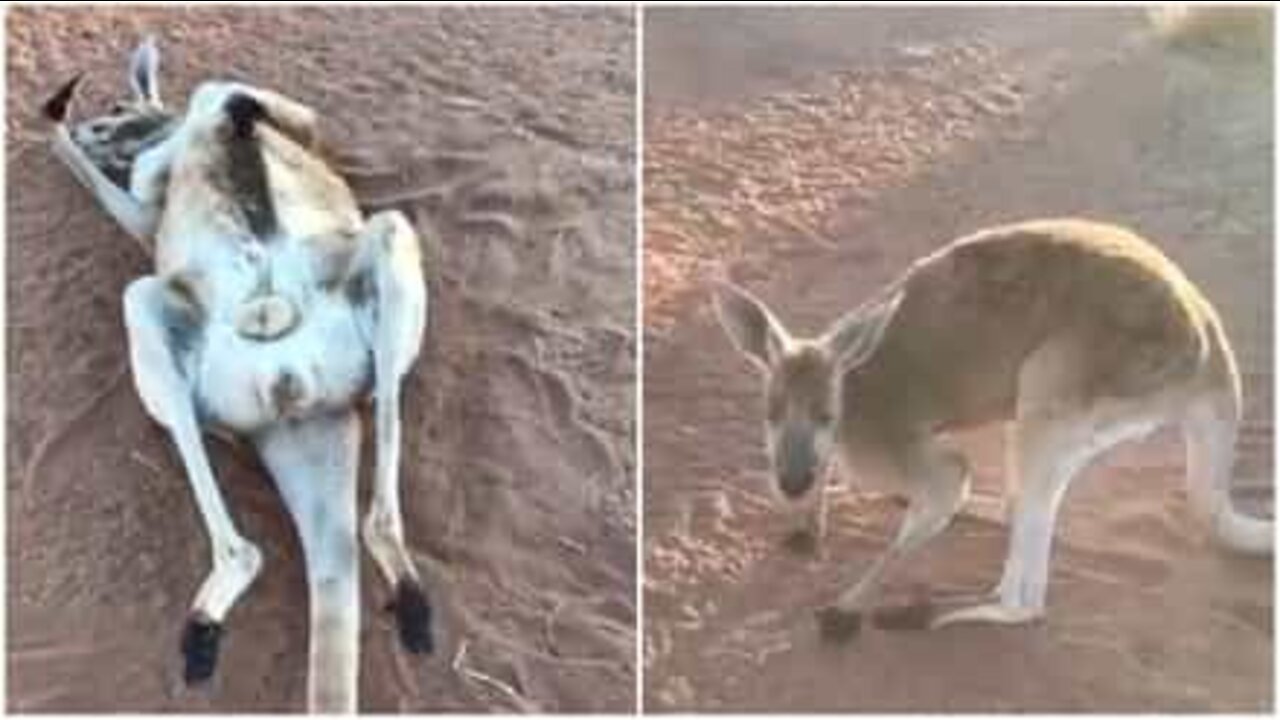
507	136
815	154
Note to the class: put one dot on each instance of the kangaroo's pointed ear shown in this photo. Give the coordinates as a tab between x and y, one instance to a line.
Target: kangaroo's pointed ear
753	329
853	338
144	73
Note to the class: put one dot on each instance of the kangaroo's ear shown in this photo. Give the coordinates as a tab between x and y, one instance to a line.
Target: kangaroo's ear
144	73
753	329
853	338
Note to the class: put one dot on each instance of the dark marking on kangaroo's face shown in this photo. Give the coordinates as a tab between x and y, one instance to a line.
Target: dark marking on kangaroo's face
803	379
801	395
800	390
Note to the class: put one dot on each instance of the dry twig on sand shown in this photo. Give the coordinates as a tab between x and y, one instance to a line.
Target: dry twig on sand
518	701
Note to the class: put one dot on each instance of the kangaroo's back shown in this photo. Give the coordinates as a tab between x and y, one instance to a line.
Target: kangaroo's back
972	313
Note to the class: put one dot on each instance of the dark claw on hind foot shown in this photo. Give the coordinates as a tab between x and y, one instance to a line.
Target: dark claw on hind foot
836	625
200	648
413	615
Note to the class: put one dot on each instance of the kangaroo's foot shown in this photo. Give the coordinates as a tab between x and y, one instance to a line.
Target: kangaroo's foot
200	641
413	616
990	613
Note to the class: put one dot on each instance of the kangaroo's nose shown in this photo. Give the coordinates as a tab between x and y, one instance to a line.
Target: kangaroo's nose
795	462
795	484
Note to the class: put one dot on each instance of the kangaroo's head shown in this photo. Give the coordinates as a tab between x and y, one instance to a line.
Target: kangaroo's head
802	378
115	139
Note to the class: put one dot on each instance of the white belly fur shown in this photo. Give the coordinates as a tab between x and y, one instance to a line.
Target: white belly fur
328	355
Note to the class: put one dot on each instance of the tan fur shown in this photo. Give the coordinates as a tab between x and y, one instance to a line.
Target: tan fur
1126	321
1081	333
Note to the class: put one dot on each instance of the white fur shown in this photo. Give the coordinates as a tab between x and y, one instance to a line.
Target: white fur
294	394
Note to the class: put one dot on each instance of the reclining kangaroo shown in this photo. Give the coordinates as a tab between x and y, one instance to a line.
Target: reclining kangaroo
1083	334
274	309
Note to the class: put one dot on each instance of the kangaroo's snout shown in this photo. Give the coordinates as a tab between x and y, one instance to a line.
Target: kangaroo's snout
795	485
796	462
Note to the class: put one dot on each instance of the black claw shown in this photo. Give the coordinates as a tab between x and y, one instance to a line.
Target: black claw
200	648
837	626
413	615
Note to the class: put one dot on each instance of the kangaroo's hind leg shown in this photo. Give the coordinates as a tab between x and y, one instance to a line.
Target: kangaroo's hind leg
389	267
159	325
1209	429
315	463
1058	431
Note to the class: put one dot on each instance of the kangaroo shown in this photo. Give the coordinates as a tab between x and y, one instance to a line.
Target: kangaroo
1082	334
274	309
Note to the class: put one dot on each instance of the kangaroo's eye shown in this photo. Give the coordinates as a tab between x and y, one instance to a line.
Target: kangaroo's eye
118	109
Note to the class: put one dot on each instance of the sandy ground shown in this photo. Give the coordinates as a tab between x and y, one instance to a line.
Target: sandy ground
812	155
507	136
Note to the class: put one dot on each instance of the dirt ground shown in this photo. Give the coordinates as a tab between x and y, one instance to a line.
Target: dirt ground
811	156
507	135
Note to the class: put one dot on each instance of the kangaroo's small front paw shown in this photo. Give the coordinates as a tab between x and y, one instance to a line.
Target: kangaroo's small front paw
916	615
802	541
200	641
838	625
413	616
55	108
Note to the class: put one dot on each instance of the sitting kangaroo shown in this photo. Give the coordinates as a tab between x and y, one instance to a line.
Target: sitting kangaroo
275	308
1082	334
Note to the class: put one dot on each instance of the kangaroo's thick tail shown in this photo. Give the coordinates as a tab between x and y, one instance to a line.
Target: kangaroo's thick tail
1210	429
246	168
